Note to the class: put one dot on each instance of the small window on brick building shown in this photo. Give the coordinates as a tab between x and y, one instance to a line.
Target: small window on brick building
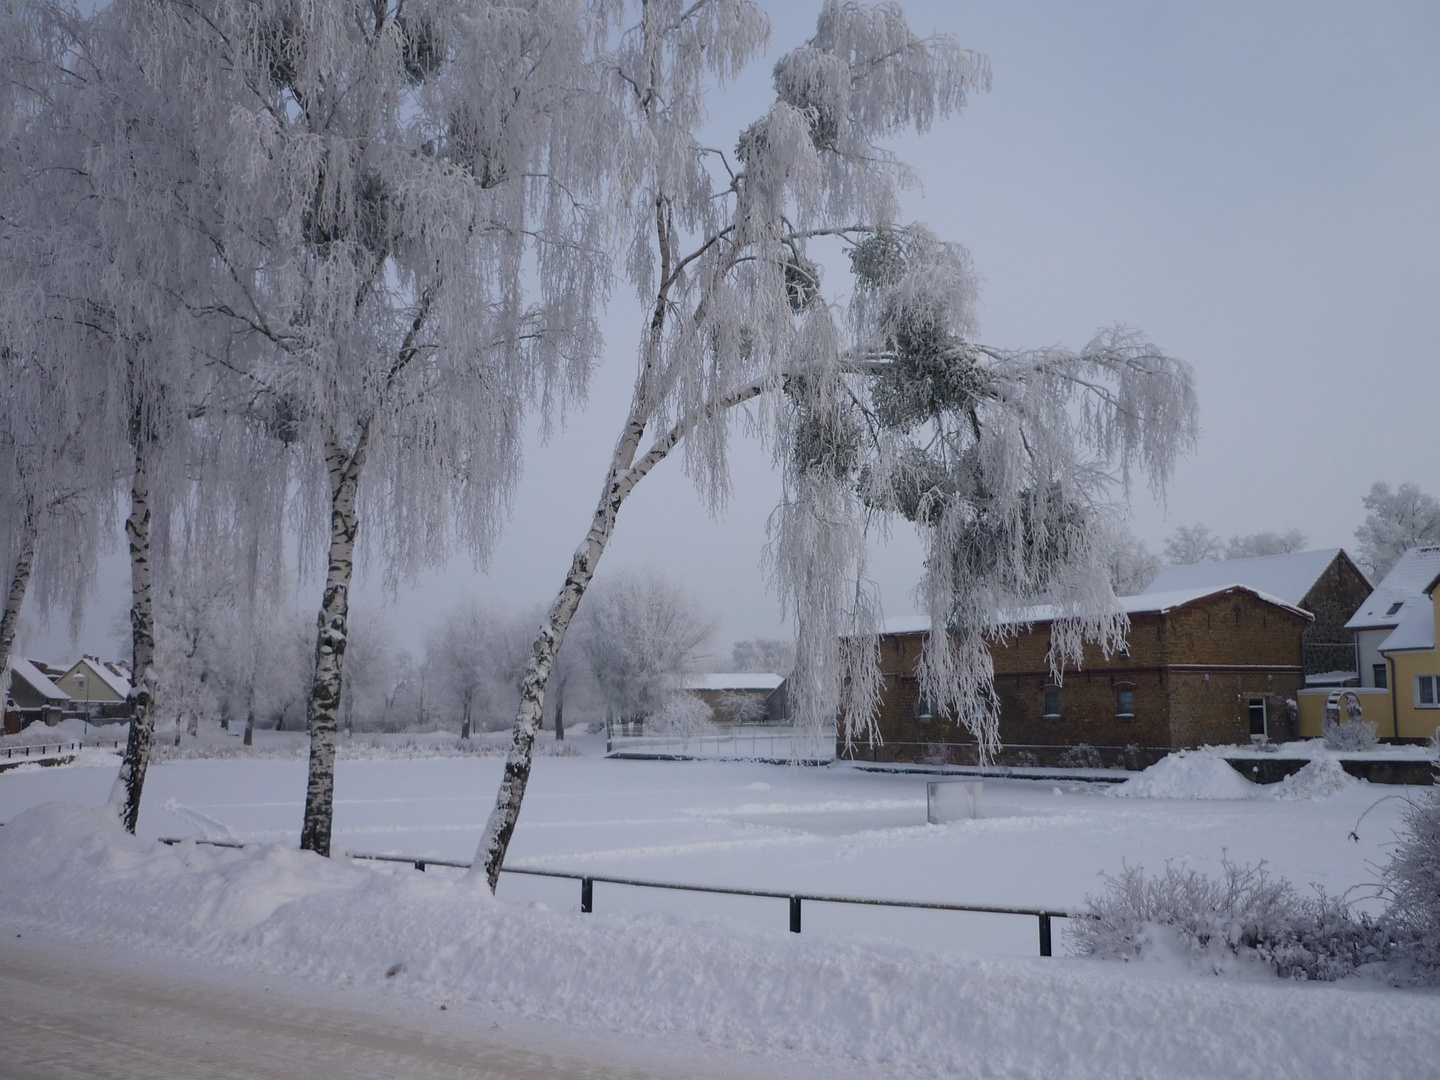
1427	691
1125	702
1052	703
1382	676
924	711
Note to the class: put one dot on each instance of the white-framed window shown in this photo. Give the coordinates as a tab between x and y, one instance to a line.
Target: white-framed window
1427	691
1257	718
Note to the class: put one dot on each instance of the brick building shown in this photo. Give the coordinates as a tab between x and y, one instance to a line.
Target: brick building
1326	583
1209	665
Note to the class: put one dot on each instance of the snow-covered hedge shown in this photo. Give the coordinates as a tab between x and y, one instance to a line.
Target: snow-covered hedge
1242	918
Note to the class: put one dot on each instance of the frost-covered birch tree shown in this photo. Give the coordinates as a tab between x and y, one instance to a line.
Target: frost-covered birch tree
103	189
400	258
1003	459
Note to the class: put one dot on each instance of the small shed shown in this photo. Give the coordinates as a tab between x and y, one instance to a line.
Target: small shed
740	697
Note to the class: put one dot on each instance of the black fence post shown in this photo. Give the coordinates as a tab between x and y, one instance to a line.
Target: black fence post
420	865
587	895
794	914
1045	935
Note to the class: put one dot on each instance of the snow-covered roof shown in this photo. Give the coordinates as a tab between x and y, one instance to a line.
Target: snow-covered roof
732	680
1416	629
1146	603
1332	678
1289	577
27	672
1397	592
115	682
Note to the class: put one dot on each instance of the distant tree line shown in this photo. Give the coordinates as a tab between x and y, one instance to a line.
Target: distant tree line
1394	522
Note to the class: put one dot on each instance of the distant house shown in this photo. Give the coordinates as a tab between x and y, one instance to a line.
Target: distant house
740	697
32	695
1395	641
1401	591
1206	665
98	689
1326	583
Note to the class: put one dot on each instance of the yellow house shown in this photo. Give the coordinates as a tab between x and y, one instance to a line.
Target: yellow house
90	680
1415	671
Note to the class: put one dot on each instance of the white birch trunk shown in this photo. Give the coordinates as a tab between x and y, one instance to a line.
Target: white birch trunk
620	481
19	582
125	796
331	631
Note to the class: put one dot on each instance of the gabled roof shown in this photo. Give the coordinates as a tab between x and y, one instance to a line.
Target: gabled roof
115	682
1146	603
732	680
1416	629
1289	577
1399	591
38	681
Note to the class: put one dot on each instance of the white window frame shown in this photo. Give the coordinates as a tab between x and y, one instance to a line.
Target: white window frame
1432	683
1250	702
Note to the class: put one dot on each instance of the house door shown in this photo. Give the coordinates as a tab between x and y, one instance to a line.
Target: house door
1257	718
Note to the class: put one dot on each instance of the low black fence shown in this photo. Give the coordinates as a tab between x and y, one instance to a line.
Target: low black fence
41	749
796	900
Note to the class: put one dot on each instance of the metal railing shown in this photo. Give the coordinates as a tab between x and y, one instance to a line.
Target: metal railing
755	742
40	749
796	899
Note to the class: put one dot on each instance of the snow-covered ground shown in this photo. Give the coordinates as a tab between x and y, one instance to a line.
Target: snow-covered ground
928	992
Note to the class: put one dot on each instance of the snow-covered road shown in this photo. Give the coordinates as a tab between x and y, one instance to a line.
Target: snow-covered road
109	1014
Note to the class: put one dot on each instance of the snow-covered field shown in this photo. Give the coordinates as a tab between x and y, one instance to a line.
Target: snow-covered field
929	992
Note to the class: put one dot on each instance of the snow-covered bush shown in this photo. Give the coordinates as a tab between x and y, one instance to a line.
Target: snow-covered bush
1353	733
1412	879
1219	923
1081	756
681	714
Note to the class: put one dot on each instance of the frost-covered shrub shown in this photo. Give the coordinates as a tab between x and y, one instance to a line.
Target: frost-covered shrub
1081	756
1245	914
681	714
1353	733
1349	735
1412	879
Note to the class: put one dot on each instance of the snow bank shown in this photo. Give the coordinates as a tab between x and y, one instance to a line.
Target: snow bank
74	871
1322	778
1205	774
1197	774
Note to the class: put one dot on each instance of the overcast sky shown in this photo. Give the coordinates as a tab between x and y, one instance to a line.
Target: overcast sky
1252	184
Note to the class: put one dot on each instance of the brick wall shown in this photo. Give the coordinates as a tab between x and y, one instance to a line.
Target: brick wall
1192	671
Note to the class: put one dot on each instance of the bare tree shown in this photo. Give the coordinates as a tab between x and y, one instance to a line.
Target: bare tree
775	655
1003	459
1132	565
1265	543
1193	544
1395	521
641	632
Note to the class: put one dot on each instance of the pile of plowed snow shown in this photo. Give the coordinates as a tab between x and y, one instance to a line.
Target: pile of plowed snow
1204	774
1196	774
1321	779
